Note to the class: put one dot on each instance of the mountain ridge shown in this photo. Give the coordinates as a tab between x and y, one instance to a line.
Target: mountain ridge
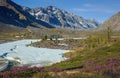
13	14
14	18
113	23
60	18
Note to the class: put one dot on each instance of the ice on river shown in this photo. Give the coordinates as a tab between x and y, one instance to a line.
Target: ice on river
18	51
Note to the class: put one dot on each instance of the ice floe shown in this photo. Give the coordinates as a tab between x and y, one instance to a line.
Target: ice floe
18	51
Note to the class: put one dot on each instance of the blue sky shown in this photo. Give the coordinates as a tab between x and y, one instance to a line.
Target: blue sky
100	10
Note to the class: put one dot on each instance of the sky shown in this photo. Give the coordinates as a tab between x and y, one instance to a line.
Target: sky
100	10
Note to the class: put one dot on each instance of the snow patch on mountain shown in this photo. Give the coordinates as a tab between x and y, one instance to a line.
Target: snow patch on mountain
61	18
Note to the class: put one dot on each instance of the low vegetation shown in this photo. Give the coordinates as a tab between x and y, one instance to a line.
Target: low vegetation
101	63
98	56
68	44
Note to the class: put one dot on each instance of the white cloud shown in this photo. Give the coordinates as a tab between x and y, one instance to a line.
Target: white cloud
93	10
79	10
88	5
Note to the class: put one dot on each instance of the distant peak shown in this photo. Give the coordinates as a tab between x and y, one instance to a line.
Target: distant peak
51	8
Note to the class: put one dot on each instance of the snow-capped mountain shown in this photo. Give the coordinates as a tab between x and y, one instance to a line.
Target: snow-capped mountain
61	18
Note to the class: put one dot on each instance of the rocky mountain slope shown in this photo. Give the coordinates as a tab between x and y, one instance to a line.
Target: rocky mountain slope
18	20
61	18
12	15
113	23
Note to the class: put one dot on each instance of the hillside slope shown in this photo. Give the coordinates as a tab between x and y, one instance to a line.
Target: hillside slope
113	23
11	14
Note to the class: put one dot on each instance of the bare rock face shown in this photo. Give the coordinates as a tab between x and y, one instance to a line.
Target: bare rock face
61	18
2	2
12	14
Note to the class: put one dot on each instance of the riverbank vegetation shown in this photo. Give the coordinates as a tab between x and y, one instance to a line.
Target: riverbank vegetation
67	44
98	56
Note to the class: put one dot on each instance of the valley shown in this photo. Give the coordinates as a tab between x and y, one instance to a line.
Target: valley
53	41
